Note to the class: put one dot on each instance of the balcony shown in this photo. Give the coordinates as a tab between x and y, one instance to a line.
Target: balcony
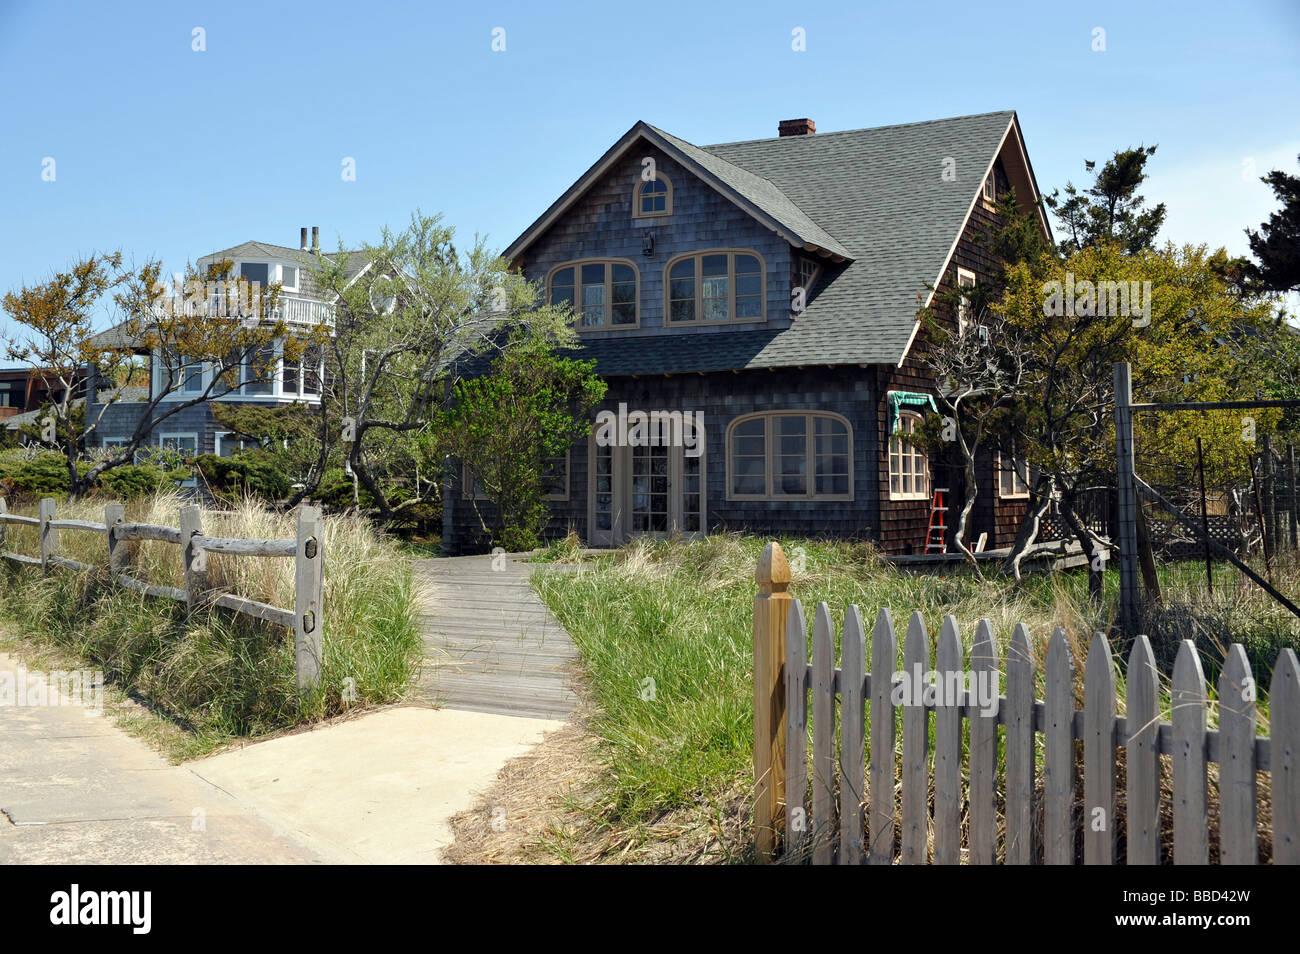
289	308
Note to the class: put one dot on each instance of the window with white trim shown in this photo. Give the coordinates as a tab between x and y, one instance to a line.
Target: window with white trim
965	282
224	445
1013	473
909	465
790	454
603	293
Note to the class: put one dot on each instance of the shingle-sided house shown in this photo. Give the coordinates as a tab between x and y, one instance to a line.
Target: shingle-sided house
686	266
194	430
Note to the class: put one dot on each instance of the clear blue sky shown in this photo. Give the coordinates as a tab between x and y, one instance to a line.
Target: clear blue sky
161	151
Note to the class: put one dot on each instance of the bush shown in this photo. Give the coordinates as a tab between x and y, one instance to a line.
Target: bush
44	474
252	473
129	483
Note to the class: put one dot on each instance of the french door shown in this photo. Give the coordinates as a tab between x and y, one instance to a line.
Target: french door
643	491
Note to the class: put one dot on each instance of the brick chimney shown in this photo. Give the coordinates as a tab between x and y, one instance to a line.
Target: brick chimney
796	127
302	238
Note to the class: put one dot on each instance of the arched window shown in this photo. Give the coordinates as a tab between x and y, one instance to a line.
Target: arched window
784	454
603	293
652	197
909	467
715	286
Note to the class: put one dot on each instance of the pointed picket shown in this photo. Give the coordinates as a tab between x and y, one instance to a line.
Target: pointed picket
947	748
823	772
1238	844
1188	710
916	746
1284	731
796	730
1058	753
983	746
1142	757
1099	754
1019	735
853	651
880	811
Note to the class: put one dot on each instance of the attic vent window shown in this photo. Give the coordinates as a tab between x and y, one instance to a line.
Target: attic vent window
652	197
990	189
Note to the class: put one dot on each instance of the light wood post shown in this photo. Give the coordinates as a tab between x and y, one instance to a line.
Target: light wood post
309	581
771	607
49	536
4	526
114	517
193	560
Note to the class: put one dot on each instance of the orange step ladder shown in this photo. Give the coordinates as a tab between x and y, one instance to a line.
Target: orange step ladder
938	524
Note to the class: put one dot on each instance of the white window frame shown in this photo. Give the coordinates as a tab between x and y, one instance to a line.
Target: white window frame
990	189
297	276
963	306
162	445
907	423
1018	477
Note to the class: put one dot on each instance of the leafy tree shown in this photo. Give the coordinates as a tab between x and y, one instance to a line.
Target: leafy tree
1110	210
204	331
1276	245
506	424
406	326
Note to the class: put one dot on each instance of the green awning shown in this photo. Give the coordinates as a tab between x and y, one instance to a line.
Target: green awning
899	399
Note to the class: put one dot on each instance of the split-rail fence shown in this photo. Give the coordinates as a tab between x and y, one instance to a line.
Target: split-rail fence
840	807
307	551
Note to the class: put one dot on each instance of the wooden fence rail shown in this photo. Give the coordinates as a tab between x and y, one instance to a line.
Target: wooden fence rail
833	810
307	551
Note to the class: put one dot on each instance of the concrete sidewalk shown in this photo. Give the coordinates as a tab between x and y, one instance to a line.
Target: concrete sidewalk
75	789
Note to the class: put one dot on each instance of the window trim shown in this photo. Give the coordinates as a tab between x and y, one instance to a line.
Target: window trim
963	308
192	481
637	186
699	322
989	190
810	451
1001	460
576	264
916	451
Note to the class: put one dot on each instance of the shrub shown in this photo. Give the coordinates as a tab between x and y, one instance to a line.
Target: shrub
252	473
129	483
44	474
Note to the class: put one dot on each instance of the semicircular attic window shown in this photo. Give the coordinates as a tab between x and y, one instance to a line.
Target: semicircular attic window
652	197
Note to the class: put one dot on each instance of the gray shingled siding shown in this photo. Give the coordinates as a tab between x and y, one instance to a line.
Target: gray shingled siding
600	225
723	398
120	420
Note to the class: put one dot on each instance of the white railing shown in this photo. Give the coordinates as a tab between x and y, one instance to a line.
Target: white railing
300	311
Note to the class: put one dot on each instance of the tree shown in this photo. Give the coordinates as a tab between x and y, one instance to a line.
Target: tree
1110	210
203	334
408	326
1276	245
505	425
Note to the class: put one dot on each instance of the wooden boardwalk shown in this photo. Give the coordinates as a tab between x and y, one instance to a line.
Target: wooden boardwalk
491	644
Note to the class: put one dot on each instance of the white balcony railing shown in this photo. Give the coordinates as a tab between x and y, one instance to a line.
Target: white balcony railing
289	308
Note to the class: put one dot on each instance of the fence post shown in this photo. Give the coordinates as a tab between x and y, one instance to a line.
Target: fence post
771	607
309	580
114	516
193	560
49	536
1127	500
4	526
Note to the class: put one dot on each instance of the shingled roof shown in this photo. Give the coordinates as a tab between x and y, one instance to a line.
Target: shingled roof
875	198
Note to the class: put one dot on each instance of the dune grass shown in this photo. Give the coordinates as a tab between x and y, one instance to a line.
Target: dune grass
219	675
665	632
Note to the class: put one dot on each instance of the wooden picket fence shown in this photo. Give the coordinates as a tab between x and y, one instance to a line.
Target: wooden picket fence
799	817
307	551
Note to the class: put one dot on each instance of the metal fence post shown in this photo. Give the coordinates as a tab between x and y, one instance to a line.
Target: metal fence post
49	536
309	582
193	559
1130	618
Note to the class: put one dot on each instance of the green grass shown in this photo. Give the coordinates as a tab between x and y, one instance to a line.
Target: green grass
665	631
218	676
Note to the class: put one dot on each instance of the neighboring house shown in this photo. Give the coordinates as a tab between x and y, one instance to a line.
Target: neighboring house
24	391
194	430
686	264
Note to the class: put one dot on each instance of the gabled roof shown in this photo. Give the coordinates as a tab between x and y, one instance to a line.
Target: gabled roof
752	193
875	198
357	259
